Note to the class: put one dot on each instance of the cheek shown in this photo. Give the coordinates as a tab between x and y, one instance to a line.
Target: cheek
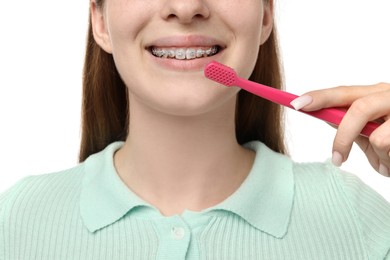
126	20
244	19
247	48
249	27
245	16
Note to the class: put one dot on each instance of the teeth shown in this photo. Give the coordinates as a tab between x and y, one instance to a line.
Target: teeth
171	54
199	53
184	54
190	54
180	54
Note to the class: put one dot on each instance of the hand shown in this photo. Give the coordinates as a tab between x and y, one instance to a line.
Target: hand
364	103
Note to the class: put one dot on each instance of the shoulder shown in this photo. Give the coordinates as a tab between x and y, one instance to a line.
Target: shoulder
56	191
34	192
372	212
348	196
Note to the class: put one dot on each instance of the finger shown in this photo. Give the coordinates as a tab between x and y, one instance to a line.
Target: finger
372	156
380	142
360	112
342	96
366	147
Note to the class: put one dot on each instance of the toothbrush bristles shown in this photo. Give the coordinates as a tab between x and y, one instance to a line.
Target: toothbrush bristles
220	73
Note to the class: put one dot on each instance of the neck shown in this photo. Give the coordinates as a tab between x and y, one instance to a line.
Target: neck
182	162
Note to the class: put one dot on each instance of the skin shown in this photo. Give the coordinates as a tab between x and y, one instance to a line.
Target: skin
181	152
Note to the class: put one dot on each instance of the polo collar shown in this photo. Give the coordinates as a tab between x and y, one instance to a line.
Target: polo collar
104	197
265	198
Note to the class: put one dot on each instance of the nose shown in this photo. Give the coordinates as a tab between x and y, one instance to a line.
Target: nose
185	11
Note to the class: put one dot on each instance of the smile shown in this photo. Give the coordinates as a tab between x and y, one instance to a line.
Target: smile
184	53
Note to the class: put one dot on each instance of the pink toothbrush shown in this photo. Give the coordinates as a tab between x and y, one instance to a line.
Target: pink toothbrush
228	77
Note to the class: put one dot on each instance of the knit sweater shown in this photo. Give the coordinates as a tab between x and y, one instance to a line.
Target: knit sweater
283	210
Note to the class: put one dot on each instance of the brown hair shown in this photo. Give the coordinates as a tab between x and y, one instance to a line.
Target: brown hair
105	101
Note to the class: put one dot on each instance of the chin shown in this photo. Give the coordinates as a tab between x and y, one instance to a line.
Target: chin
197	105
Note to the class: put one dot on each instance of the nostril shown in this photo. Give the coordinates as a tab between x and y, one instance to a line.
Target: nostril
184	18
185	11
198	16
171	16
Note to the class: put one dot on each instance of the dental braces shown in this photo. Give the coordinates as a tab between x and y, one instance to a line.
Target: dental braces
182	54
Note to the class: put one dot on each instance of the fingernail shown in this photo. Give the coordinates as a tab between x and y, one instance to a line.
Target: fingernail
301	102
337	159
384	170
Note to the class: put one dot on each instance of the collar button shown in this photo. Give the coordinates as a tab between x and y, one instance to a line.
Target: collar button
178	233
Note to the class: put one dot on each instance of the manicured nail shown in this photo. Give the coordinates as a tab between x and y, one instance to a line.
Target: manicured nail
337	159
301	102
384	170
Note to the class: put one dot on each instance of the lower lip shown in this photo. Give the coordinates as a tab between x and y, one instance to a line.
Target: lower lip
185	65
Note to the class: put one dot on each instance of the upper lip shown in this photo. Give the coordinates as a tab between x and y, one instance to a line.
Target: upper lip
186	41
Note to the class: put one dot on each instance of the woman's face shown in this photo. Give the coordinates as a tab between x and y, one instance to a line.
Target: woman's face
160	47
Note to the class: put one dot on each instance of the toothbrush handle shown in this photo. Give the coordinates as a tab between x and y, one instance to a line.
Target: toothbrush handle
335	115
330	115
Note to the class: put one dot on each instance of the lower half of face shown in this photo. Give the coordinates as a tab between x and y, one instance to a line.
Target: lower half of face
161	60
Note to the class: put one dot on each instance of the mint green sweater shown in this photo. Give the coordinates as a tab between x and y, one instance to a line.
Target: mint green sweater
283	210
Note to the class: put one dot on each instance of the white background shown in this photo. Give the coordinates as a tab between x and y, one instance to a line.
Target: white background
324	44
